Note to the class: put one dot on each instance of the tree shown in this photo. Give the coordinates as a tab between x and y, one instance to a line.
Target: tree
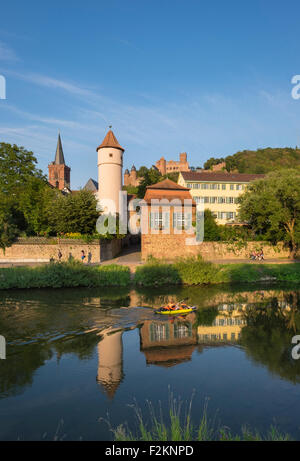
211	228
74	213
150	177
142	171
8	229
211	162
271	206
34	200
17	166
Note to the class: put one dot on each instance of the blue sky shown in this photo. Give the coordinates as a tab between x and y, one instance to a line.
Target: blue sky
208	78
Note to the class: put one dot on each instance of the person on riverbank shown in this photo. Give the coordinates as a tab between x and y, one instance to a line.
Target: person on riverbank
82	255
261	256
59	255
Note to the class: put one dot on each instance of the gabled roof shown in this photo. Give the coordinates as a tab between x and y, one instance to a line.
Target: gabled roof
167	184
110	141
168	190
59	155
222	177
91	185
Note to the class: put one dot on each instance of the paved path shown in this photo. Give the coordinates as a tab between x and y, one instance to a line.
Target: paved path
132	257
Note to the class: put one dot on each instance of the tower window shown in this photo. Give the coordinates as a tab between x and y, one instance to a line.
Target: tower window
110	155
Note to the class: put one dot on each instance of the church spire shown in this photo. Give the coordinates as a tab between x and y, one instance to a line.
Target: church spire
59	155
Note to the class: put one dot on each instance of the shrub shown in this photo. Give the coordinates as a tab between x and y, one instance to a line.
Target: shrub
195	271
155	273
58	275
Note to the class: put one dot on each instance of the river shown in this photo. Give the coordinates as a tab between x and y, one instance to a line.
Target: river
77	359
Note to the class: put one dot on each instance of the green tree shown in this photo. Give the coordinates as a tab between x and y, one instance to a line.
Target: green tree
211	162
74	213
142	171
151	176
8	228
17	166
211	228
34	200
271	206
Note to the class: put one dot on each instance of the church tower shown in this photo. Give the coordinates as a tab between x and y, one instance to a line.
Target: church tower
110	164
59	172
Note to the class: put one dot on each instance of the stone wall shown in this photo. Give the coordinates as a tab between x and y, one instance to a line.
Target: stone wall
170	247
42	250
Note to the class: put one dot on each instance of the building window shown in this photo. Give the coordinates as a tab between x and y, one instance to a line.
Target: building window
110	155
239	187
159	220
229	199
160	332
231	186
182	221
204	186
223	186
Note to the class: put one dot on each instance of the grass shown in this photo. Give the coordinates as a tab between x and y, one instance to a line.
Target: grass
177	425
59	275
189	271
196	271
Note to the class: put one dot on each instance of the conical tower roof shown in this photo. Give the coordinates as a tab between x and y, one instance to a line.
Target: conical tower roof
110	141
59	155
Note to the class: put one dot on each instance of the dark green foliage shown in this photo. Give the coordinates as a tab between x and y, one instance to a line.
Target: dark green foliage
196	271
21	193
150	177
271	206
17	166
156	273
153	176
263	160
74	213
131	189
211	228
142	171
211	162
58	275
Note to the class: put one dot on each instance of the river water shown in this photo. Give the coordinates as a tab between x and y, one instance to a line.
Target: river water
77	359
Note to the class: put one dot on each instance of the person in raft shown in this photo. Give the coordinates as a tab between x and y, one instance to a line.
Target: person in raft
82	255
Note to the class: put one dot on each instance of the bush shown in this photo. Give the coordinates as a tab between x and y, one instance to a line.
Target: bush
155	273
195	271
59	275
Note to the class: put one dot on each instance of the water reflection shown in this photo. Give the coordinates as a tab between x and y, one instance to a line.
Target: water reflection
40	326
110	361
168	342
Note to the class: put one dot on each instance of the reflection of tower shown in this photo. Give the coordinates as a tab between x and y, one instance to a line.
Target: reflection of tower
110	164
110	365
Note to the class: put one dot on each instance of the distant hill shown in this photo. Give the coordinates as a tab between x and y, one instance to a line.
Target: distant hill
258	161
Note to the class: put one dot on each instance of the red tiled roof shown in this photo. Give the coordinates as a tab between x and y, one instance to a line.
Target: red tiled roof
167	184
222	177
110	141
168	190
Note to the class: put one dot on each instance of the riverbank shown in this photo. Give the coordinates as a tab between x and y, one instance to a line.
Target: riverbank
191	271
199	272
64	275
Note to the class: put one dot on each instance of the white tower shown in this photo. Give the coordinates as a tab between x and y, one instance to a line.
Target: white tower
110	164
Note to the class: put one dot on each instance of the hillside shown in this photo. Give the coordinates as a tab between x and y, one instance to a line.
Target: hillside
259	161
